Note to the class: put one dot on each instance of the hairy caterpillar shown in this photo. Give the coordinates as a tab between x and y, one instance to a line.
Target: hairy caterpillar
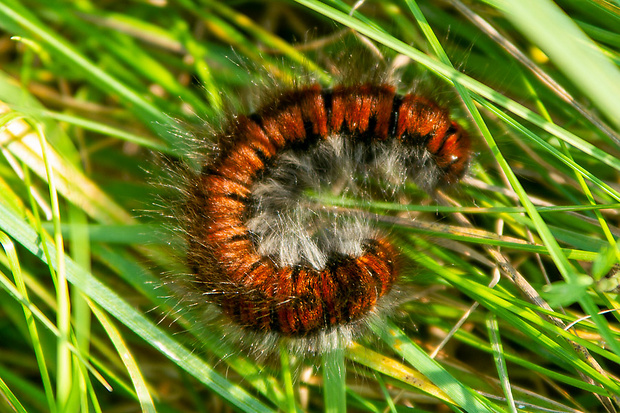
272	263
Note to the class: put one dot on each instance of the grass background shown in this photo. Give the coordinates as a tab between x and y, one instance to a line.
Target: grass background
90	90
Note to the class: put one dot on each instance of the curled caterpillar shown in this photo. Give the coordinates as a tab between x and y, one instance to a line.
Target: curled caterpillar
258	249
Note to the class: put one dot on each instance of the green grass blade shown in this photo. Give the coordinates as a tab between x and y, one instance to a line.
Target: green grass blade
288	380
500	362
144	396
464	397
334	375
9	249
570	49
10	398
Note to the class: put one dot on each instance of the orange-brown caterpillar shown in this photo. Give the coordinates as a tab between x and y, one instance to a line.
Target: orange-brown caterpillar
272	264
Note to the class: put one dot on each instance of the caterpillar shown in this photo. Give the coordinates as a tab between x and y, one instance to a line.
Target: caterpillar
257	247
